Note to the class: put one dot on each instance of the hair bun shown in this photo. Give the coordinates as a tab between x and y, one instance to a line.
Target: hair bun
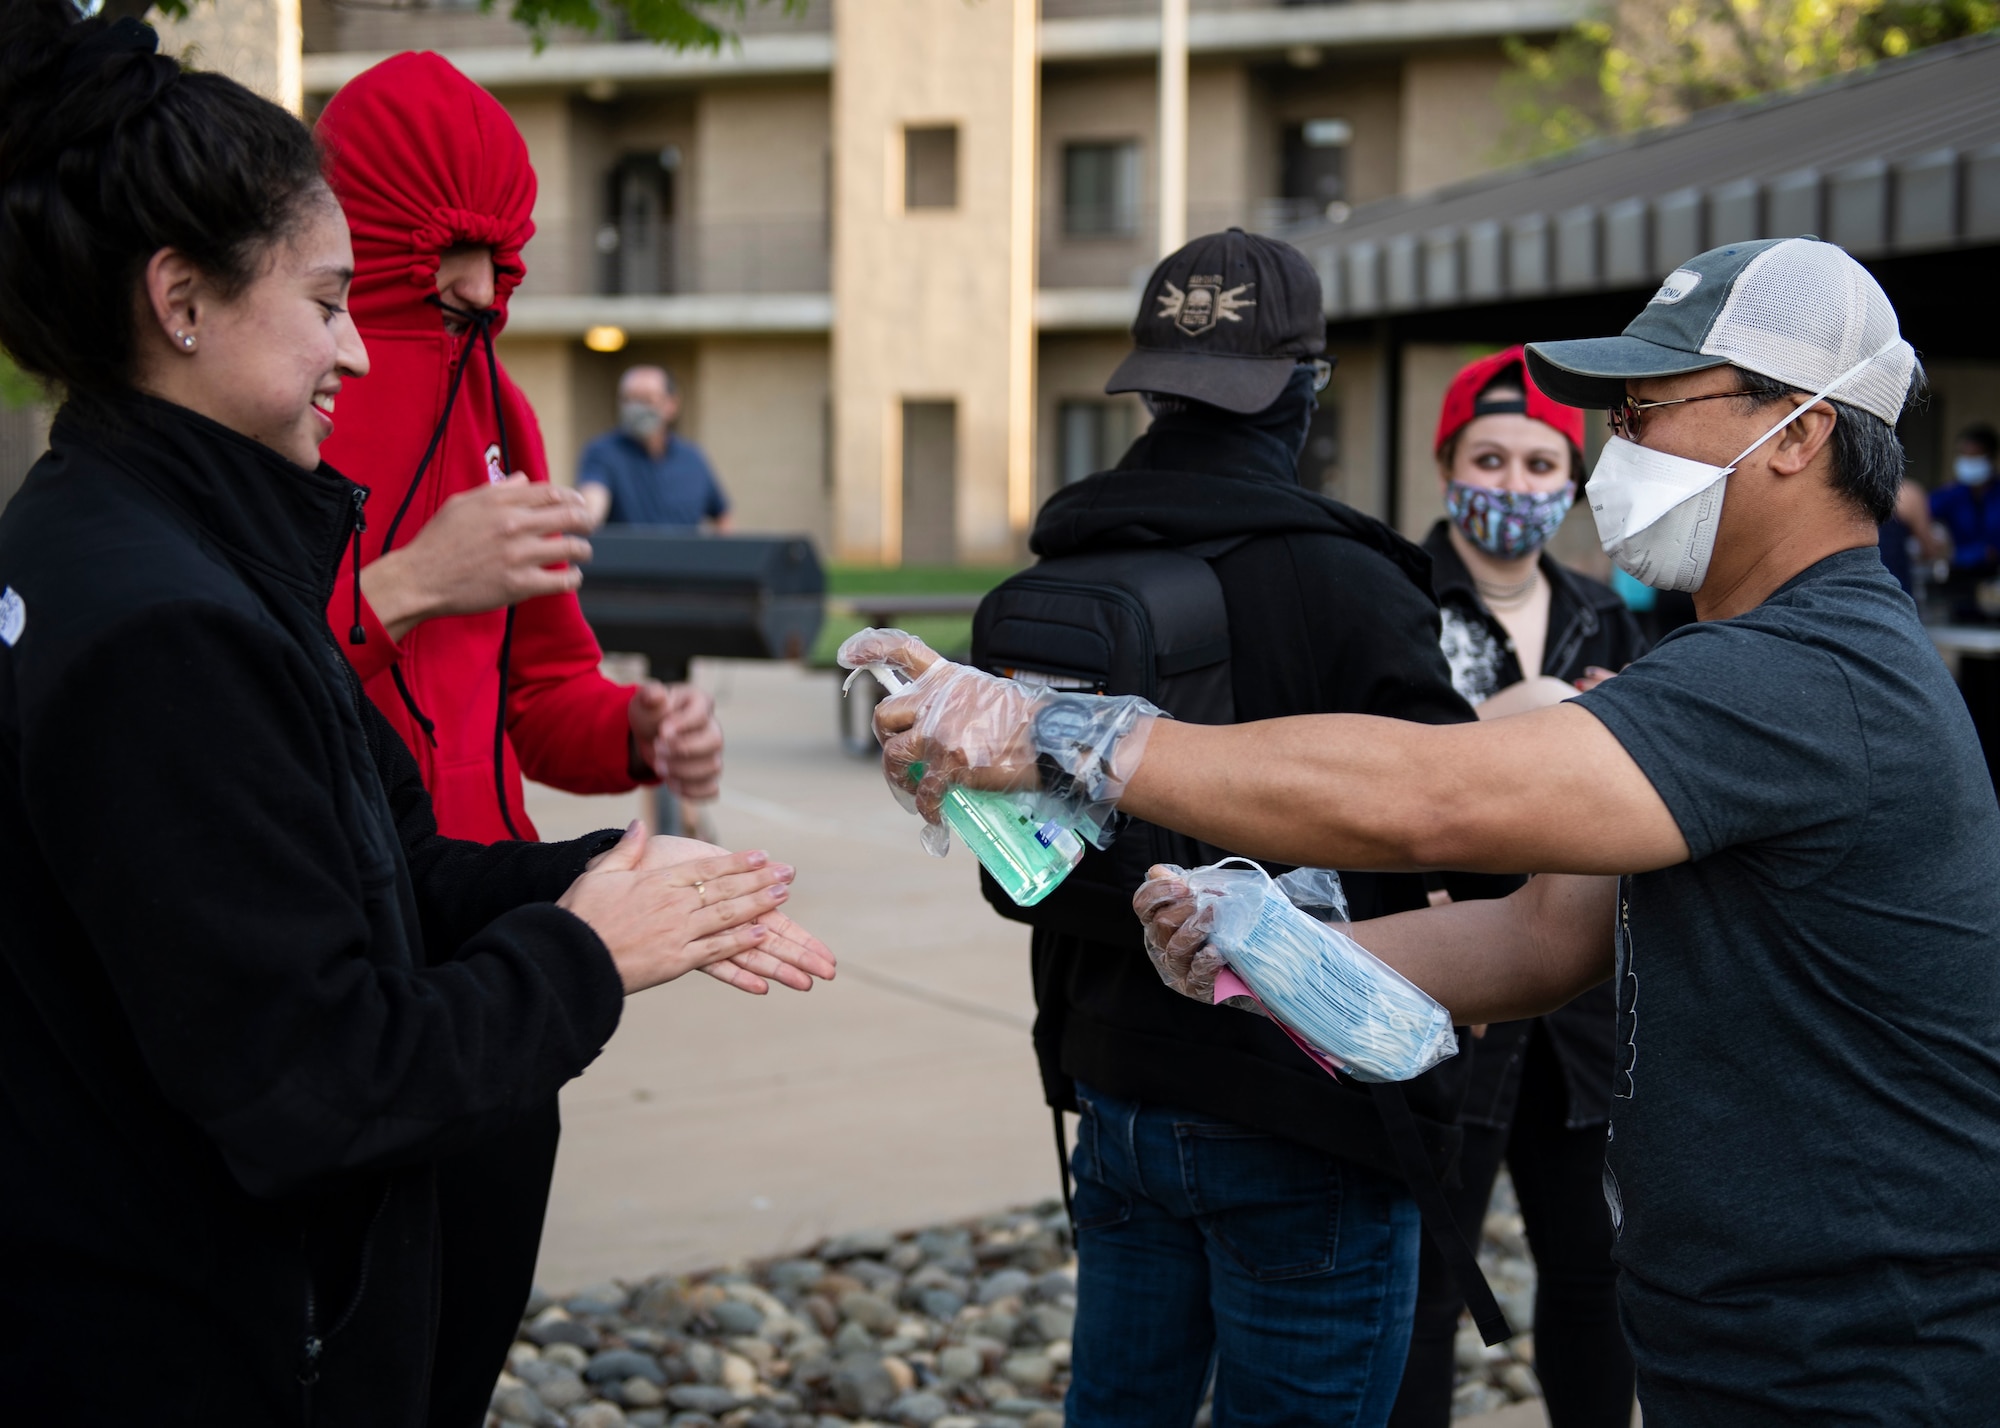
109	152
66	80
123	36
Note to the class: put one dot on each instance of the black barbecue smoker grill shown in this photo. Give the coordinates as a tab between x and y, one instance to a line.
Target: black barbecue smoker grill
668	595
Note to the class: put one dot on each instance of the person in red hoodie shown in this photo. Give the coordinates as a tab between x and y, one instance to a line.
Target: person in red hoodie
462	553
458	611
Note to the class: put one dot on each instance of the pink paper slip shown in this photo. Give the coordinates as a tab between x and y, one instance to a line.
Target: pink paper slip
1228	984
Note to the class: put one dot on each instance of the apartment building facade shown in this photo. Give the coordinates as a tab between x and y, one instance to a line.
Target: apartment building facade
890	248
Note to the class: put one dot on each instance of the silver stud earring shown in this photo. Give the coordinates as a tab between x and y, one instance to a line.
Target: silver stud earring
187	340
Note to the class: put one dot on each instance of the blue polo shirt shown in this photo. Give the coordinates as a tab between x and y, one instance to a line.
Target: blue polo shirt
676	489
1972	515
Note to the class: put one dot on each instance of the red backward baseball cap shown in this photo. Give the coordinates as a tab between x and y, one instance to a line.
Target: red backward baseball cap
1462	404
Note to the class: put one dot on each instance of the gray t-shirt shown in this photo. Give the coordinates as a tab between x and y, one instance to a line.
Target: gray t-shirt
1807	1092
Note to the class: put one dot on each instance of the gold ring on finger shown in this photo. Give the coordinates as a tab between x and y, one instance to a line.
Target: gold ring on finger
700	891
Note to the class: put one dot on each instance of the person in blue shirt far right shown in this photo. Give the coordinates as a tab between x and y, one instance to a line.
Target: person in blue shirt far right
644	475
1968	507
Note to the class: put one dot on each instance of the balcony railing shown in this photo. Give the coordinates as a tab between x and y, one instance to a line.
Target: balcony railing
1112	250
752	255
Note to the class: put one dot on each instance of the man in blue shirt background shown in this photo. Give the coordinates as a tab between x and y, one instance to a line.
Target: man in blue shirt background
1966	505
642	474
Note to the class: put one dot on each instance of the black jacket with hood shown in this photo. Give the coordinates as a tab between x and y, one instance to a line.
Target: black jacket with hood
248	996
1330	612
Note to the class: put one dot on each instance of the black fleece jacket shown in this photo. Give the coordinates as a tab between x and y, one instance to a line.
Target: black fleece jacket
1330	612
248	995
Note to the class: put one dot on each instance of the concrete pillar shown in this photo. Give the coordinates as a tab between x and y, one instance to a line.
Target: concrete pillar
1173	124
1452	116
254	42
541	368
934	303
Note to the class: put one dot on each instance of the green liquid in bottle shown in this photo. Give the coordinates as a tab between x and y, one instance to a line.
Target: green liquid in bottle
1026	857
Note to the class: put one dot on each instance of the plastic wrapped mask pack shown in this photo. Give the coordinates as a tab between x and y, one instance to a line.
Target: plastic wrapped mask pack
1343	1001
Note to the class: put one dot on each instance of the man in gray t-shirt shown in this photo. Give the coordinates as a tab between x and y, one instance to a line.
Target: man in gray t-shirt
1776	829
1806	1115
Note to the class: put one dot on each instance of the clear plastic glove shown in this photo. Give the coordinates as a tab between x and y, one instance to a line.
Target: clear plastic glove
1176	933
1071	754
1331	992
1177	928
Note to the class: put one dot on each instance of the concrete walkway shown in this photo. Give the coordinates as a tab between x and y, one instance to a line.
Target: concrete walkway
719	1126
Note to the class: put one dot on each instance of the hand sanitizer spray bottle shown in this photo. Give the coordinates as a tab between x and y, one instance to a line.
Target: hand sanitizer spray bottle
1026	856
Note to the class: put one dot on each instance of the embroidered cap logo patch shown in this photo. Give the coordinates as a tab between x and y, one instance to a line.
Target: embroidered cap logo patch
1205	303
1680	282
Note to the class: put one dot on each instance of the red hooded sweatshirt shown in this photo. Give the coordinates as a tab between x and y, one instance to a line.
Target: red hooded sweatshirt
421	159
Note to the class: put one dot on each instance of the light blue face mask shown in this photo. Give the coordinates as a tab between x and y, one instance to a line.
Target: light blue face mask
1973	470
1332	993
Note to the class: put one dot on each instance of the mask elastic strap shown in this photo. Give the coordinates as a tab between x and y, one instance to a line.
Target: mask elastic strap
1249	863
1817	397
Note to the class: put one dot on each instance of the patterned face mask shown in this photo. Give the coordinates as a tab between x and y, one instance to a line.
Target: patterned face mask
1507	524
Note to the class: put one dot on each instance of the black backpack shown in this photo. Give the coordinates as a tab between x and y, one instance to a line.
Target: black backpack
1155	623
1145	622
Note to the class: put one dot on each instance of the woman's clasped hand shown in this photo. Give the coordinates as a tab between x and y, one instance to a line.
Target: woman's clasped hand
664	907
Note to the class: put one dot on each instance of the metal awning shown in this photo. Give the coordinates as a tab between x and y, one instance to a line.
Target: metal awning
1901	159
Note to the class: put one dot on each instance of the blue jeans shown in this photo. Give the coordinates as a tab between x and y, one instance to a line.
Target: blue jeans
1294	1270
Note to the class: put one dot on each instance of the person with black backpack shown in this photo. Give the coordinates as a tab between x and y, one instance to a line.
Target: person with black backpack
1234	1205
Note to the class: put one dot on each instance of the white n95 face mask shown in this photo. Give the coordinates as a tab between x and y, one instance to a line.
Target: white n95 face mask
1657	513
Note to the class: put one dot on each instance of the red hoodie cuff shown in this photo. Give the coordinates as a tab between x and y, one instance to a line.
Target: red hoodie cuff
375	653
638	770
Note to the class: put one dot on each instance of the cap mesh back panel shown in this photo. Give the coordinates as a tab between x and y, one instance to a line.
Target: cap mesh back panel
1804	312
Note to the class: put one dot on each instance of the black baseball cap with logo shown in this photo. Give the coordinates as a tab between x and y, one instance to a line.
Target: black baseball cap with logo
1224	321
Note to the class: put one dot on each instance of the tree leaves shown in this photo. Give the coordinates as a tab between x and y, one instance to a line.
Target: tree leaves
1640	63
17	388
676	24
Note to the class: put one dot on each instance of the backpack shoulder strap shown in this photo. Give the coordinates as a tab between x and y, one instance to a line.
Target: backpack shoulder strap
1421	1176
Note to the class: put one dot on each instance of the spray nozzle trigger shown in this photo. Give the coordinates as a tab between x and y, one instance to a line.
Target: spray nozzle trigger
888	676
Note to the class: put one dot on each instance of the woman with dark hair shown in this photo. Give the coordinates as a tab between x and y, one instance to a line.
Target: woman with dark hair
1521	631
241	1025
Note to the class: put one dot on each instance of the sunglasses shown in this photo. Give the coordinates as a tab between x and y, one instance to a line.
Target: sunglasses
1624	417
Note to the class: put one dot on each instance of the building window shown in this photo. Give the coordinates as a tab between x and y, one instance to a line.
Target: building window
637	239
930	167
930	483
1101	189
1091	436
1315	166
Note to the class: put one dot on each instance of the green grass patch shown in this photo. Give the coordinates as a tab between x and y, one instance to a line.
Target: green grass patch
915	579
949	635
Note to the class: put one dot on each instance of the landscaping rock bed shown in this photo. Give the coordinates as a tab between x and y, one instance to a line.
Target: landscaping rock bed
960	1326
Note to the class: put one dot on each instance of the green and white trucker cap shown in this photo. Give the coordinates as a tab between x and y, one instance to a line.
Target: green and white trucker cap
1793	309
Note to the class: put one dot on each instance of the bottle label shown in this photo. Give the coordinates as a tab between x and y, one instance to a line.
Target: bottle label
1054	835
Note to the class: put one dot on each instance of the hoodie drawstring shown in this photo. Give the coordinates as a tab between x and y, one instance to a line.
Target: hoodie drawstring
355	634
423	720
484	322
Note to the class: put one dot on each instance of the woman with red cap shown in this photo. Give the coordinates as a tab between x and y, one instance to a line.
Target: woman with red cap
458	611
1520	631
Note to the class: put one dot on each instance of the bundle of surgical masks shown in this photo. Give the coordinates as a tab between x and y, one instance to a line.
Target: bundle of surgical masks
1334	994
